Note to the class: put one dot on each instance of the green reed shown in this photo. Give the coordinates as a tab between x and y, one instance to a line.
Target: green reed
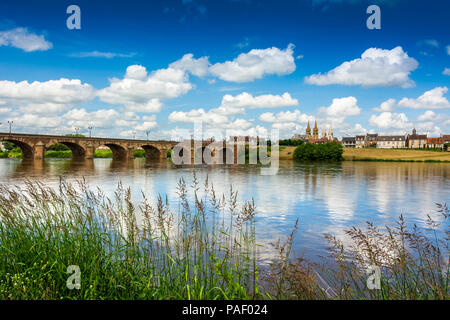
203	248
413	264
185	254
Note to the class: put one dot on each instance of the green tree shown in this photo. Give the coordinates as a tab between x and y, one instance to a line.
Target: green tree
329	151
58	147
78	135
8	145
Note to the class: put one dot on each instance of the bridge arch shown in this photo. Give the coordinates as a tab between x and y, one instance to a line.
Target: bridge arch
181	155
152	153
78	152
27	150
119	152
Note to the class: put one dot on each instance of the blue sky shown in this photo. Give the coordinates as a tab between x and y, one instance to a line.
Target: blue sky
239	66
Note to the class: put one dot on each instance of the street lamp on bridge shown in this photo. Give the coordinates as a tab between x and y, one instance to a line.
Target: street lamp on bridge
147	132
90	131
134	135
77	130
10	124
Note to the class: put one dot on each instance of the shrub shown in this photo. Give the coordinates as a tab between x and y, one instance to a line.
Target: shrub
58	147
329	151
58	154
103	153
139	153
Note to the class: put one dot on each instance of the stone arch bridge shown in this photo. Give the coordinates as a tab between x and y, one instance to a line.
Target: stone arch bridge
33	146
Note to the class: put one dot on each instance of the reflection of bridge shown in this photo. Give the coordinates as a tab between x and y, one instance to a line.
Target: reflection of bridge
33	146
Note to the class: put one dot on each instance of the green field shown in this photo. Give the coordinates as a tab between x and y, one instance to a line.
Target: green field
374	154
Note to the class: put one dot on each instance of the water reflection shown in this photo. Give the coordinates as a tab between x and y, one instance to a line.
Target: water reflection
326	198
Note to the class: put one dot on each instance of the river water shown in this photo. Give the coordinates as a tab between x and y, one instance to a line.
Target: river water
326	198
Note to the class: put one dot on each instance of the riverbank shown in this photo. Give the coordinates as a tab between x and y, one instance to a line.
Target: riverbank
287	152
72	242
373	154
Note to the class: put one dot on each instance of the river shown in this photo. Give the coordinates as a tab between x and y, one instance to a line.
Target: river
326	198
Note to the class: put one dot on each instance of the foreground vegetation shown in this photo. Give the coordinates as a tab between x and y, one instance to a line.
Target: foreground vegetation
204	248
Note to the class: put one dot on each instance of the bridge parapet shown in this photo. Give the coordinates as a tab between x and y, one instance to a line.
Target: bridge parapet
33	146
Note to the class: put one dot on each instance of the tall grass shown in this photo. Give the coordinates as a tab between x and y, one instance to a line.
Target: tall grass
203	248
188	253
413	264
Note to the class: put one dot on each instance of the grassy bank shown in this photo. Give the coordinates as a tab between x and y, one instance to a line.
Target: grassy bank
373	154
64	154
386	155
203	248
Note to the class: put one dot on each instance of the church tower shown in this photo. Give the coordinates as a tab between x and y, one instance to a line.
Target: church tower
315	131
324	131
308	131
330	134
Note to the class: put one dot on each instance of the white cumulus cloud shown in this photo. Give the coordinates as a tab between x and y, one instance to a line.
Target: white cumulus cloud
340	109
255	64
141	92
389	120
376	67
427	116
295	116
44	97
432	99
21	38
198	67
237	104
388	105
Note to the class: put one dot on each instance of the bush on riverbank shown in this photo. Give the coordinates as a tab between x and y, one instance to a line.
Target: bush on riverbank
58	154
328	151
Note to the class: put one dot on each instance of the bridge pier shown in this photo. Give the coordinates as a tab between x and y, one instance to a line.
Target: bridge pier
163	154
39	151
130	153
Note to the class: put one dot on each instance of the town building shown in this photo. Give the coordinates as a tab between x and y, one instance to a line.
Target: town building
435	143
391	142
299	137
416	141
369	140
446	138
349	142
446	141
360	142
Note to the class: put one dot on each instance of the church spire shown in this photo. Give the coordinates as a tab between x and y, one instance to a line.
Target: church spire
315	131
330	133
308	131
